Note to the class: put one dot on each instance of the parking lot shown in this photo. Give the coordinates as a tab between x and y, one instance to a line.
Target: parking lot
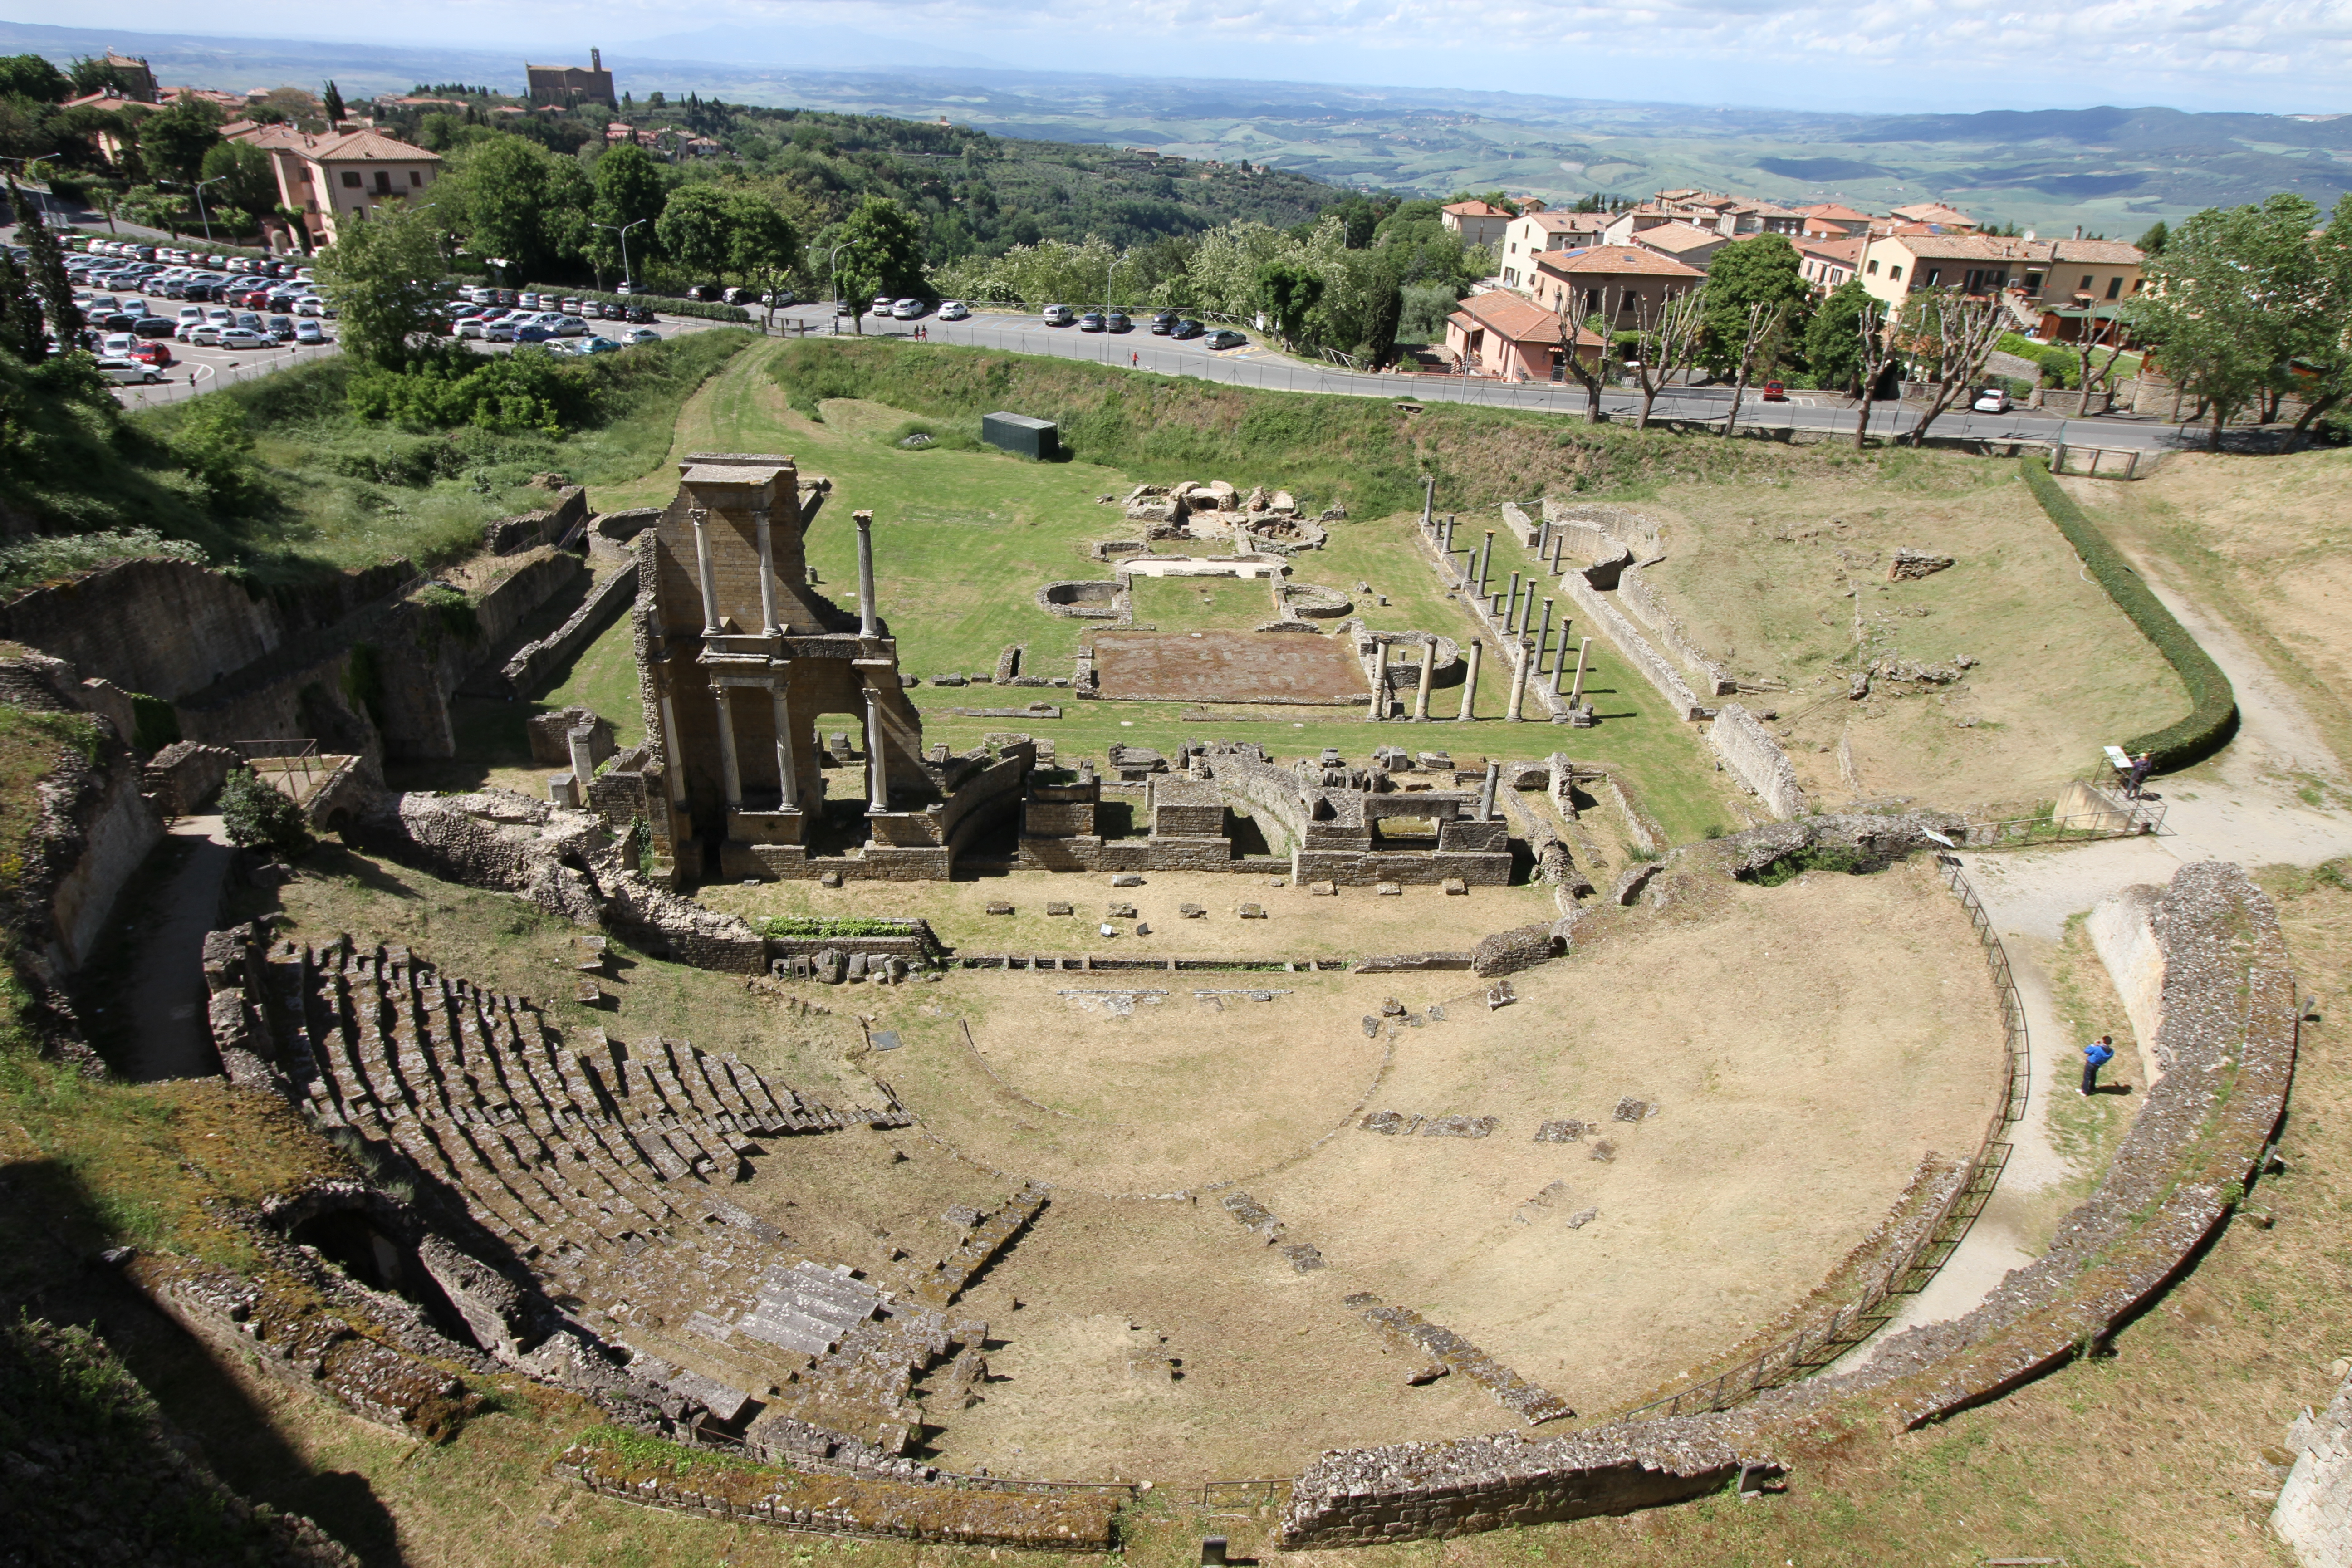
198	369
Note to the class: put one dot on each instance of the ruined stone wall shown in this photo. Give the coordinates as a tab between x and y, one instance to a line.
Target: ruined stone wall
535	662
1757	760
1408	868
183	774
169	628
1522	947
2123	932
112	828
986	796
1640	601
1269	795
1611	623
2313	1514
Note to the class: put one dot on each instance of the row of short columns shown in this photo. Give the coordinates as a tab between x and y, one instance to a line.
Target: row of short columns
1527	662
1515	611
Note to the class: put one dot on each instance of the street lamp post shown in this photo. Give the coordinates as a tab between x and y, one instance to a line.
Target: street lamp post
41	197
833	271
627	277
201	211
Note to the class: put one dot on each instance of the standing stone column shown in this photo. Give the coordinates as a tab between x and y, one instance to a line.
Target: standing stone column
1485	558
1487	791
864	521
581	737
1428	670
768	627
731	771
1470	683
1379	705
878	777
1543	636
1583	649
787	768
1518	681
1511	605
700	518
673	769
1428	501
1449	535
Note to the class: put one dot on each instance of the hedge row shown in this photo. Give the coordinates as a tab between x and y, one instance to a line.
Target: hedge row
2213	718
666	306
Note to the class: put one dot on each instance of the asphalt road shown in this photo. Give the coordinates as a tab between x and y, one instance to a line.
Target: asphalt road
1255	365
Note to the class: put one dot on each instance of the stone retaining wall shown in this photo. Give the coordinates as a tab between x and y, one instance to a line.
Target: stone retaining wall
1612	624
2227	1046
1522	947
1634	592
534	662
1757	760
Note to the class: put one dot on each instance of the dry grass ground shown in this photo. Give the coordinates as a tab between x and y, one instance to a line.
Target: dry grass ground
1298	925
1788	585
1799	1080
2267	544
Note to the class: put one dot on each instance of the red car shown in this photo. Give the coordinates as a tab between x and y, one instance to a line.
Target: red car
155	352
1775	393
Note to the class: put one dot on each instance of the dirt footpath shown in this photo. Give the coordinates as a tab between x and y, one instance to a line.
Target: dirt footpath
1804	1046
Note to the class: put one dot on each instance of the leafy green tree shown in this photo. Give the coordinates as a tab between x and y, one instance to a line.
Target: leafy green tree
881	252
248	179
381	276
2322	365
1288	290
31	76
2153	242
257	817
331	102
1766	270
510	198
45	268
22	331
697	230
214	443
1833	339
2231	299
97	76
764	248
175	140
629	190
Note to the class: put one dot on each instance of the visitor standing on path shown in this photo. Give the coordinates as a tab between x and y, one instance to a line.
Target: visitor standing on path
2138	779
2096	1055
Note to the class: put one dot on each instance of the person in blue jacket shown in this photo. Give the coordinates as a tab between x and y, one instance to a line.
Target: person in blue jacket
2096	1055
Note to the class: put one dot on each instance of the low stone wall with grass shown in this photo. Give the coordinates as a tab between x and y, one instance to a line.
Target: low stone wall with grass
1757	760
534	663
959	1511
1611	623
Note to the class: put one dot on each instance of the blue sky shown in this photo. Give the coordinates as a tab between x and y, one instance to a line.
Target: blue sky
1866	55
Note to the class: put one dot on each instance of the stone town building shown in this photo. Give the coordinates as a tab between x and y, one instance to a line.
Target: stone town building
1478	223
1501	334
564	86
1627	281
2041	271
333	180
1531	233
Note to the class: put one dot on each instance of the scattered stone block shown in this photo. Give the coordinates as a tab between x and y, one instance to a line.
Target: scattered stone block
1127	879
828	880
588	993
1387	891
1567	1132
1910	564
1253	912
1391	1008
1457	1127
1303	1257
1423	1376
1000	909
1119	913
1190	911
1631	1109
1371	1027
1321	891
1143	928
1581	1218
1388	1123
1604	1152
1059	909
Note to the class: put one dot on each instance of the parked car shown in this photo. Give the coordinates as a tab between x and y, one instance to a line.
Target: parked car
1092	321
641	314
570	326
909	309
280	327
1225	337
954	310
640	335
154	327
128	372
883	307
784	297
243	338
157	353
1187	328
1991	400
1775	393
608	311
598	344
504	332
118	345
844	308
533	333
1117	321
568	307
530	301
309	331
311	306
208	336
1058	315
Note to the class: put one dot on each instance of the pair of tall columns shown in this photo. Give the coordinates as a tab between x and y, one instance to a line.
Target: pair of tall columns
707	573
730	767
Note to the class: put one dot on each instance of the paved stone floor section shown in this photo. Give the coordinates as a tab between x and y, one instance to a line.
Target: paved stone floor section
1229	666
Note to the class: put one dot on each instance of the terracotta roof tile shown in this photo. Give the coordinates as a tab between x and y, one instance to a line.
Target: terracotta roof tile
1610	260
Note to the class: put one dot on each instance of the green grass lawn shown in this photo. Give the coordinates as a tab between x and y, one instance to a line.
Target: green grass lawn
963	538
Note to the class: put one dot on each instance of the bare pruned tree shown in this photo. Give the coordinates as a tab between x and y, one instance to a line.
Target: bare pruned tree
2086	350
1591	377
1762	344
1956	333
1668	336
1877	348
